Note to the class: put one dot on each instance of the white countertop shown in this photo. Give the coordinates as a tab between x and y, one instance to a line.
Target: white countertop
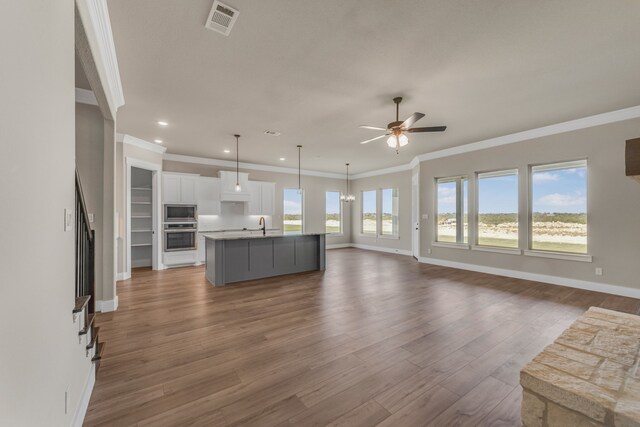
241	236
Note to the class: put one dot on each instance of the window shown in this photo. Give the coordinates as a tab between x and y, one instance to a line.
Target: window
369	209
333	213
389	211
559	207
292	209
498	209
451	210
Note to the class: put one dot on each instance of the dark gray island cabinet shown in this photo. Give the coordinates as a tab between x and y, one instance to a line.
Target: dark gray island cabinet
237	258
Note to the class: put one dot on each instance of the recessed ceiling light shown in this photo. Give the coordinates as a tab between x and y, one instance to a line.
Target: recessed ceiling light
157	141
163	123
227	151
282	159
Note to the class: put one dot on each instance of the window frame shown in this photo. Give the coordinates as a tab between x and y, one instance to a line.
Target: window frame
362	232
340	202
572	256
459	210
378	233
476	214
302	211
396	233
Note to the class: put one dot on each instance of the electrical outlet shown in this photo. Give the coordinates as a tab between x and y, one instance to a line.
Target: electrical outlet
91	217
425	216
598	271
429	251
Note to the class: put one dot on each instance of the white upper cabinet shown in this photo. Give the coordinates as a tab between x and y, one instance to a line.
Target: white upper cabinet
268	198
262	200
254	205
179	188
208	196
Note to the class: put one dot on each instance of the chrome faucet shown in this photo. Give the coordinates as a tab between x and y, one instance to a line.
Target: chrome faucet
263	223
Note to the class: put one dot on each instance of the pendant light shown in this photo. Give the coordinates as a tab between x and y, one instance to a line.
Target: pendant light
299	177
238	187
347	197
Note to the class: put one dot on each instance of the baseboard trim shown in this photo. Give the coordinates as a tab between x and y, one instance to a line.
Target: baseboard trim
123	276
107	305
544	278
338	246
78	419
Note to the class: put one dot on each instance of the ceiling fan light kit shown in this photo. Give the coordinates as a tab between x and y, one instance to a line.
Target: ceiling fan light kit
396	131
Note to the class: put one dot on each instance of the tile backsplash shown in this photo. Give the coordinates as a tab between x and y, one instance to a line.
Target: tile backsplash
231	217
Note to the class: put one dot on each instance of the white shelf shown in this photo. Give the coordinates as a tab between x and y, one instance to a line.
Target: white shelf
140	203
141	231
141	188
140	216
140	244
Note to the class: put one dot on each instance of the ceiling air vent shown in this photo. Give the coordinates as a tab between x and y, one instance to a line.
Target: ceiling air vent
221	18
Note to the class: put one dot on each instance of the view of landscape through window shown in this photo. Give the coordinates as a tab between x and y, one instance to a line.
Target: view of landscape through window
292	210
498	209
447	210
559	207
333	219
369	208
390	211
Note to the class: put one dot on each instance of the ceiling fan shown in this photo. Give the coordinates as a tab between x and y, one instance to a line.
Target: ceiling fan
397	131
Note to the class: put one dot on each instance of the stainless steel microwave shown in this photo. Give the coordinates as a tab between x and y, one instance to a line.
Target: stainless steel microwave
180	213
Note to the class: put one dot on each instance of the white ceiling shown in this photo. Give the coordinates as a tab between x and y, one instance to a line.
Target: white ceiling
315	70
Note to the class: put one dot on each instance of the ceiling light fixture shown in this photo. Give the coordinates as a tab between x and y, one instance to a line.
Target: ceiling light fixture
238	188
299	174
163	123
347	197
227	151
157	141
282	159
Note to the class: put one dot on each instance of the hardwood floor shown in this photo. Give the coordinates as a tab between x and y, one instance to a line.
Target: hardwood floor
377	339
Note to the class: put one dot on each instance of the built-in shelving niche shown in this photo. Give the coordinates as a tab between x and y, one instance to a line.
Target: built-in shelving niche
141	218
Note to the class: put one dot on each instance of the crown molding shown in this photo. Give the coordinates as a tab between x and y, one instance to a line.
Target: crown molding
385	171
583	123
253	166
84	96
97	25
140	143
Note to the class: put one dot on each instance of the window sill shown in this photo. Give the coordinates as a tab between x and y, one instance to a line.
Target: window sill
450	245
558	255
495	249
373	236
335	234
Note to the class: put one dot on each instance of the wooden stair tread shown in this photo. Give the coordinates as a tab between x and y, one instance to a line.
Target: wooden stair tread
87	326
94	339
98	354
81	303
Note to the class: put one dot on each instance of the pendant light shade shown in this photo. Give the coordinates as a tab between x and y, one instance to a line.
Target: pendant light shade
347	197
299	174
238	187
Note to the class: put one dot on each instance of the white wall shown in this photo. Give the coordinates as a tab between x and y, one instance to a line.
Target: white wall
613	203
40	354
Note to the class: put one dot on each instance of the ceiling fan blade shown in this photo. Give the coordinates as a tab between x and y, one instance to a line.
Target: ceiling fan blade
428	129
373	139
371	127
411	120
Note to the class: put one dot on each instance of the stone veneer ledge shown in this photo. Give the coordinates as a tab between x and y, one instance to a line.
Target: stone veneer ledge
590	376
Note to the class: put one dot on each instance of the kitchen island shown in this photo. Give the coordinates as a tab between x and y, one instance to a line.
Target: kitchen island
246	257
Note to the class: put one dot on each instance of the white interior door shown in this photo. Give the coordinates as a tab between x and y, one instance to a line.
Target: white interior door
415	216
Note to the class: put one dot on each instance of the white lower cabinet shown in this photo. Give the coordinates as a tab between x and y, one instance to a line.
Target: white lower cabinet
202	254
174	259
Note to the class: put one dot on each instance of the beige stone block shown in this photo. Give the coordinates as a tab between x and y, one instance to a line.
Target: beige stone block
572	367
578	356
610	375
557	416
616	343
626	319
567	390
533	410
628	411
577	336
626	360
